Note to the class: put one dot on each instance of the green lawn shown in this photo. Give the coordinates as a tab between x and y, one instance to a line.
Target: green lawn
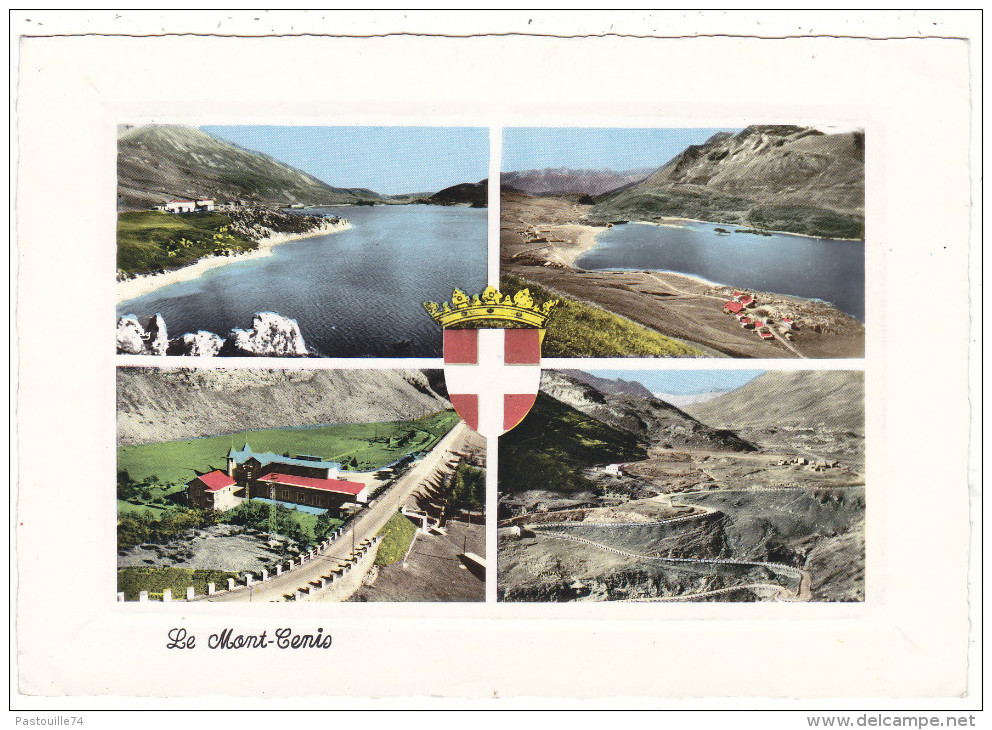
576	329
371	445
150	241
397	534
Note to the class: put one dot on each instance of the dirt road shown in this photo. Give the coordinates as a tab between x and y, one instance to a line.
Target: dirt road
366	526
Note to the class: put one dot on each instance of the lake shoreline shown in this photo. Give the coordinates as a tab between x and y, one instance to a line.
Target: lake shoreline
674	304
148	283
676	222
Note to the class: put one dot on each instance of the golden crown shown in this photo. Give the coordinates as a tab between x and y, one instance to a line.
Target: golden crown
519	309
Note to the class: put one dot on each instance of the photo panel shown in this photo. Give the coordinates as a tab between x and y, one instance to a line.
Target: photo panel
275	485
282	241
685	486
743	242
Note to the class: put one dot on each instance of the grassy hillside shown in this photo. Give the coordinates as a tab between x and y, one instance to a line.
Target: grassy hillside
370	445
576	329
552	446
397	534
149	241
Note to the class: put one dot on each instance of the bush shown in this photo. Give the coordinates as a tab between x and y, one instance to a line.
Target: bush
138	528
131	581
468	488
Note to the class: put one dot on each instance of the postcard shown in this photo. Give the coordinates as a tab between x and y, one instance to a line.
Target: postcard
475	366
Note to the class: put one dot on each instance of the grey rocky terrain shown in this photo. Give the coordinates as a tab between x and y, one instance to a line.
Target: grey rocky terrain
161	404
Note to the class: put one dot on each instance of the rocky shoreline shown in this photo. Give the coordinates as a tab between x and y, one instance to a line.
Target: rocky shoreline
271	335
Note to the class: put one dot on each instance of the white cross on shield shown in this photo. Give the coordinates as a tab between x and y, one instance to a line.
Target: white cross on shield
492	375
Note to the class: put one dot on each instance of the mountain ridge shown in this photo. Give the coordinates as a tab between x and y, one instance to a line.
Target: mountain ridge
804	399
650	420
155	405
158	162
776	177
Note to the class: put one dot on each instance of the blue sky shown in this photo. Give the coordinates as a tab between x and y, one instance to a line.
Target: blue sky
530	148
388	160
683	382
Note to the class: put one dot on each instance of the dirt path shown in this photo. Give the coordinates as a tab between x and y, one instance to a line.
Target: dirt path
802	592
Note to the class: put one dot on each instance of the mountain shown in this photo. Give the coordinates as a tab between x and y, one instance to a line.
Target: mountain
617	386
475	194
165	405
554	444
649	419
159	162
779	177
802	399
560	180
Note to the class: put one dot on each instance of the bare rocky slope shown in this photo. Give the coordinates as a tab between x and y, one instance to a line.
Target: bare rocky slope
779	177
804	399
170	404
158	162
616	386
560	180
645	416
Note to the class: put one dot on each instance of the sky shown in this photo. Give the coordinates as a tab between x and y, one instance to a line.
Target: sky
388	160
535	148
683	382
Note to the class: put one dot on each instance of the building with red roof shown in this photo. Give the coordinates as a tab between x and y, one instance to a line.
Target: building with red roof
213	490
733	307
747	300
313	491
301	479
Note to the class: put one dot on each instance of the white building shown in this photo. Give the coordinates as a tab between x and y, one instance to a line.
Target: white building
180	206
187	206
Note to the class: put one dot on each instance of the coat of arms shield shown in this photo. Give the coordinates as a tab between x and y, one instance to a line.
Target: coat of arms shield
492	356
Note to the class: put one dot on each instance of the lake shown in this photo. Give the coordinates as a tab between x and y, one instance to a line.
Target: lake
813	268
354	293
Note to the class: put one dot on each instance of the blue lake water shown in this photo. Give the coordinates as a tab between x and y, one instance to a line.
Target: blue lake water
354	293
813	268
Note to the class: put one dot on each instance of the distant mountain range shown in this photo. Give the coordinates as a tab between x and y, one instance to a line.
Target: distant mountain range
563	180
778	177
687	399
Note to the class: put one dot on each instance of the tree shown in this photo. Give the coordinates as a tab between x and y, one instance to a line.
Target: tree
126	488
